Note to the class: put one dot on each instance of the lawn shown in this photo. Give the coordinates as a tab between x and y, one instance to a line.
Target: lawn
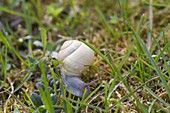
130	72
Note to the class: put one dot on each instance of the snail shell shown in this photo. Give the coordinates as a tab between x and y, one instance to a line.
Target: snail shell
76	57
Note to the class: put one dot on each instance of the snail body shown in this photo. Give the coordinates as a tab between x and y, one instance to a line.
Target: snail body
76	57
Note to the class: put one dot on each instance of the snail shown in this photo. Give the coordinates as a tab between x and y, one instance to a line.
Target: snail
76	57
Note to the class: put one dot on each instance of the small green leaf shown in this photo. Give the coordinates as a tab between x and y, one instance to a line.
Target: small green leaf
40	85
54	10
36	99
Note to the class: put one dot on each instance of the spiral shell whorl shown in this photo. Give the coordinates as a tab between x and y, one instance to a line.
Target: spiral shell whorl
76	57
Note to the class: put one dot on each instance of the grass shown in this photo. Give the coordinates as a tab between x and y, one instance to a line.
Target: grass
131	46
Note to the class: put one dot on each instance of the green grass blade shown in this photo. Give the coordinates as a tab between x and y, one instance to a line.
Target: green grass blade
84	104
27	95
105	22
26	78
159	37
3	66
63	93
3	9
85	100
141	106
151	106
139	28
156	96
45	94
6	10
9	45
44	39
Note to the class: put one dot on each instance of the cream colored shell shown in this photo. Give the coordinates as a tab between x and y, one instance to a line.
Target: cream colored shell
76	57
